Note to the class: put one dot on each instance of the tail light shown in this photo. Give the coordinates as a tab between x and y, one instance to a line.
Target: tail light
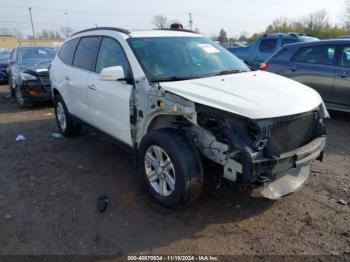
264	66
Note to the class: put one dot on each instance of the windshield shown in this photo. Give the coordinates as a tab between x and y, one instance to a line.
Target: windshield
36	55
180	58
5	56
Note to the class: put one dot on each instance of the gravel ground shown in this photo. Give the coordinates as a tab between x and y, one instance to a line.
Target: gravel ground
49	189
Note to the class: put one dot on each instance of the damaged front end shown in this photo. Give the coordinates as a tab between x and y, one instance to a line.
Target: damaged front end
272	153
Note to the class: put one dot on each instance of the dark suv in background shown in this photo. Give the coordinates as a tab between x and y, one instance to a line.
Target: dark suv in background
322	65
4	63
29	78
264	47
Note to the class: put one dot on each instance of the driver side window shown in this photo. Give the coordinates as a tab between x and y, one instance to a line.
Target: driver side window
111	54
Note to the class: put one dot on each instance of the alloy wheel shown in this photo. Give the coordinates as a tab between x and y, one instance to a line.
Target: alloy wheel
160	171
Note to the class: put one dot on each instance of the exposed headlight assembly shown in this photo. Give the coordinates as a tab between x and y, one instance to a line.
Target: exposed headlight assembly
26	76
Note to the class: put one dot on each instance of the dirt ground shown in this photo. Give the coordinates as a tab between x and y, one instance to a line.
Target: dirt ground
49	189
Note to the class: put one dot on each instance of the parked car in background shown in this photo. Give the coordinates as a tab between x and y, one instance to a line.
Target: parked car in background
29	78
322	65
264	47
171	96
4	64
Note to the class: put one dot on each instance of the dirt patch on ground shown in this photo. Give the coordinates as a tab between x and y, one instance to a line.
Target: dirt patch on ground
49	189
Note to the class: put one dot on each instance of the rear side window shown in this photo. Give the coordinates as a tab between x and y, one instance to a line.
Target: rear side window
67	51
85	56
111	54
289	41
345	57
279	53
323	55
268	45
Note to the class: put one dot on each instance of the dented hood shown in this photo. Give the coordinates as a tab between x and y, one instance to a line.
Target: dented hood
255	95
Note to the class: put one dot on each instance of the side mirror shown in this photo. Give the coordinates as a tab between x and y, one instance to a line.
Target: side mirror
113	73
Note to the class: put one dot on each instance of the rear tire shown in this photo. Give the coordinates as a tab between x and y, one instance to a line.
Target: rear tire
170	167
64	119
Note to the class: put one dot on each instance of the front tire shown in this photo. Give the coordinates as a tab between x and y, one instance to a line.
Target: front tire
64	119
170	167
19	98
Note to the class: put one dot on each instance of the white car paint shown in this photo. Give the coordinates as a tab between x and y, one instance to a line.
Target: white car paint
255	95
111	105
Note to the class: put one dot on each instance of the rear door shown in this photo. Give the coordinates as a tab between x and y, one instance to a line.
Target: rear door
109	101
314	66
83	65
341	91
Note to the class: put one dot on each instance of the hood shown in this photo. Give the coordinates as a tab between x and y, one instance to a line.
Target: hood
255	95
40	69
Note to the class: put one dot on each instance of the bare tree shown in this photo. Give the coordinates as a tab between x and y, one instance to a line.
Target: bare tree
317	20
160	21
17	33
13	32
347	15
67	31
5	31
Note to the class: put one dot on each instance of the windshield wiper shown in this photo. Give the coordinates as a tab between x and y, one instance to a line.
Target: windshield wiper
229	72
173	78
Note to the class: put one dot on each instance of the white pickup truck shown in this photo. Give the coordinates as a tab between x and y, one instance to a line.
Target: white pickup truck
175	99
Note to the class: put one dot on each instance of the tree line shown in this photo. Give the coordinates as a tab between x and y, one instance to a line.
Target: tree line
316	24
45	34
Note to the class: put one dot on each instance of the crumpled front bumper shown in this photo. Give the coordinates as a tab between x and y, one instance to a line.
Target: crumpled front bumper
293	170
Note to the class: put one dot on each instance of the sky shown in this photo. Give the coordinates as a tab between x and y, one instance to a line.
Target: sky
209	16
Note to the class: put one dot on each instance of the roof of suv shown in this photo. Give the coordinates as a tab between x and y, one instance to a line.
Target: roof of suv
144	33
321	42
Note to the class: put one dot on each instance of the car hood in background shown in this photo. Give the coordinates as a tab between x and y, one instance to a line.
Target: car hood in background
40	69
255	95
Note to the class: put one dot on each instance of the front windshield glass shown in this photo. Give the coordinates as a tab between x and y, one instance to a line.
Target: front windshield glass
5	56
179	58
36	55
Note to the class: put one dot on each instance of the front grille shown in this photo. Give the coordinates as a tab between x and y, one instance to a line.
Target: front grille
290	133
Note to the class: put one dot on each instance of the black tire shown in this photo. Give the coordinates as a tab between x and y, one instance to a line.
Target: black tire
21	102
71	128
186	162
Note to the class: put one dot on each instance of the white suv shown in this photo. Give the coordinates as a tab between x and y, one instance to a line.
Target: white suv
176	99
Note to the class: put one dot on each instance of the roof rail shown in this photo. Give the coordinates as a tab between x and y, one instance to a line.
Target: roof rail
121	30
178	30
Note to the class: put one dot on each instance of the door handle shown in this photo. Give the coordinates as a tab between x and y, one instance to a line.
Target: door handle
92	87
342	74
66	78
293	69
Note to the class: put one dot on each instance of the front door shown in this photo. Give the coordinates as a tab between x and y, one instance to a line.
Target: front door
341	91
314	66
109	101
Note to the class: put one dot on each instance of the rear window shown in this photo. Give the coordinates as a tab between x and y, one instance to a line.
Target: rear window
323	55
67	51
268	45
85	56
